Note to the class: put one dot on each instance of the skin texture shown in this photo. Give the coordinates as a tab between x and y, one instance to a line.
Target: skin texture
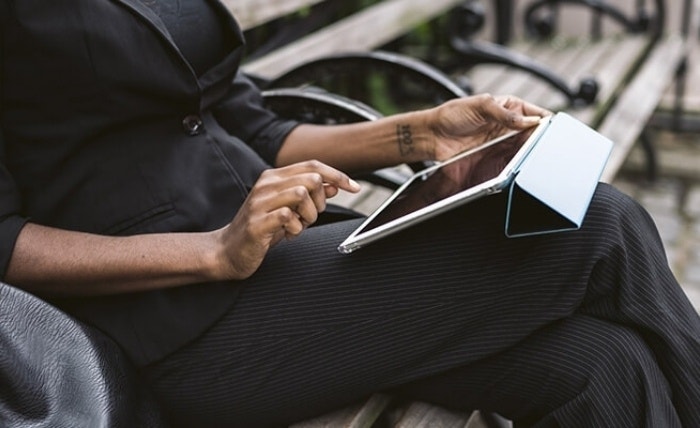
282	204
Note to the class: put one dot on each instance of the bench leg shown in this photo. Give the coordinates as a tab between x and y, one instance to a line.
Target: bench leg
651	156
678	107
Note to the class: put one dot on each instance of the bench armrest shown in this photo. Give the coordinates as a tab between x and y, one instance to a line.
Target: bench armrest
409	83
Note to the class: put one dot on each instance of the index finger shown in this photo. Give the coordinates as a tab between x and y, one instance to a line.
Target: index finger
330	175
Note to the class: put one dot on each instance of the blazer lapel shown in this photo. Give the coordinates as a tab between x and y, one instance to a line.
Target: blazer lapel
154	21
148	15
223	70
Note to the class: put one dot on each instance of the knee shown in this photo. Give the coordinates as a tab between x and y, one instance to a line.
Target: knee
621	228
612	210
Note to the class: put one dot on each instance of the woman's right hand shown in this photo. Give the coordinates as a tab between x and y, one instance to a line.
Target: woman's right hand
283	202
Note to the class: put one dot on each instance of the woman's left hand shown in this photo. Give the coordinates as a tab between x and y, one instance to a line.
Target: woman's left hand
464	123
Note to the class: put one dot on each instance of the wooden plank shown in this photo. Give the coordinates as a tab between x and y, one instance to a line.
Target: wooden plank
612	73
678	156
371	195
625	122
360	415
337	419
250	13
691	96
576	20
561	60
516	82
608	60
422	415
489	77
589	55
371	411
374	196
612	60
387	20
352	200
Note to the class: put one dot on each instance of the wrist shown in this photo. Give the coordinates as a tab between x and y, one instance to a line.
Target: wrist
214	266
414	136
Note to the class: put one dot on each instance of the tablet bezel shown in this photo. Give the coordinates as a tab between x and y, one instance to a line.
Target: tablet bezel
358	240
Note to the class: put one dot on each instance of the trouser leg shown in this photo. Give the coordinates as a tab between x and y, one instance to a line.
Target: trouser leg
632	285
314	329
577	372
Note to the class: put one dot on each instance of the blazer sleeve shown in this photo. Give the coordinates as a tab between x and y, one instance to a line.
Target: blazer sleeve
10	220
243	114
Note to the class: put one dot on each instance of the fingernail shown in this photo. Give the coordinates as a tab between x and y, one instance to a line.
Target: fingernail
532	119
354	184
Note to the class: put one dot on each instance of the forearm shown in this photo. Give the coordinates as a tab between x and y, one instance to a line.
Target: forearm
432	134
59	262
363	146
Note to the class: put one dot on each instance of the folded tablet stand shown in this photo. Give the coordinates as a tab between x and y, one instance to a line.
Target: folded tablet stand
555	183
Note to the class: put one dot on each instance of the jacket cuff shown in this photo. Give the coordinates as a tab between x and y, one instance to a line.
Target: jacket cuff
268	143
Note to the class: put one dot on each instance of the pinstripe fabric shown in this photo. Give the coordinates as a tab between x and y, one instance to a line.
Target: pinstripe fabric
585	328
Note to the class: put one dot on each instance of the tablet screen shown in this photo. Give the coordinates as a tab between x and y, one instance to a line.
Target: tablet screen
464	172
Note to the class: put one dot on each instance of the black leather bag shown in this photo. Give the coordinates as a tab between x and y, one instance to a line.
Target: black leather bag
56	372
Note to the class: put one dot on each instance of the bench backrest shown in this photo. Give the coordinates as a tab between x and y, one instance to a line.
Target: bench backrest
366	29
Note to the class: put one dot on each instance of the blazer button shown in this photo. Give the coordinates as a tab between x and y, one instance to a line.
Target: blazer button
192	124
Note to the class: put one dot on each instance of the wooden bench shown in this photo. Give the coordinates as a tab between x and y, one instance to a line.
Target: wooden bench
367	29
632	70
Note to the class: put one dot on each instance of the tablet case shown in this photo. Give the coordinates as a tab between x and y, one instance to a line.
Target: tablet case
554	185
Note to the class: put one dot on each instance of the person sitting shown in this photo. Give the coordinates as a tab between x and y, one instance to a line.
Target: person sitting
147	191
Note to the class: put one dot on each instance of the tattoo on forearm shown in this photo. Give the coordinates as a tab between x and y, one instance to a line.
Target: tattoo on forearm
404	137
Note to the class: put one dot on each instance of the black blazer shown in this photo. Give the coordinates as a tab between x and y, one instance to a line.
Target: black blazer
107	129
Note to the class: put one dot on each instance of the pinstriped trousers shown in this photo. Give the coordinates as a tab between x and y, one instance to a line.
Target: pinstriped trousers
585	328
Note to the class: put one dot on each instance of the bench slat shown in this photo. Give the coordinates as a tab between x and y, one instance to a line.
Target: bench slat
562	58
690	99
489	77
337	419
373	197
365	30
606	60
422	415
609	61
625	122
251	13
518	82
576	68
614	70
361	415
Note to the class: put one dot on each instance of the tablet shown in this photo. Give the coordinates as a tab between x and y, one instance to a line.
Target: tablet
464	177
